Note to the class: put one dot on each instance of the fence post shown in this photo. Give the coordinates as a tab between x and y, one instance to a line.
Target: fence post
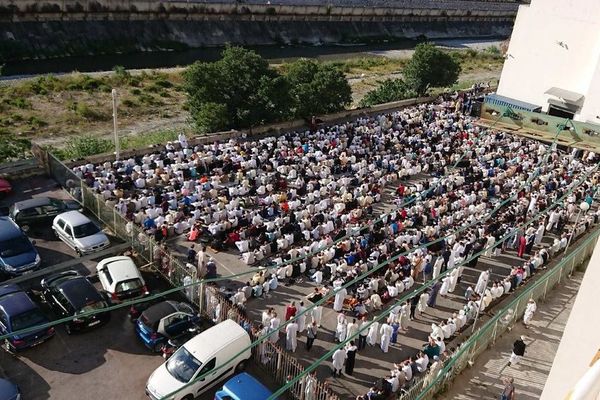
278	373
559	275
114	213
82	193
201	296
494	334
545	288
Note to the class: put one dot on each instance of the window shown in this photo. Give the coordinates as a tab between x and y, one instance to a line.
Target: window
61	224
87	229
15	246
68	231
183	365
28	213
209	366
107	274
50	209
27	319
129	285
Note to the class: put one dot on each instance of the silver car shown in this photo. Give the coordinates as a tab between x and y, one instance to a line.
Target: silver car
79	232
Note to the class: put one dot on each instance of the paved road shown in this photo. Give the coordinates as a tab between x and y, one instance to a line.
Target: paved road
484	379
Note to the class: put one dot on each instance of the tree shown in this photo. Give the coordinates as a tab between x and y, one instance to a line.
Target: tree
241	83
388	90
430	67
83	146
317	88
13	147
210	117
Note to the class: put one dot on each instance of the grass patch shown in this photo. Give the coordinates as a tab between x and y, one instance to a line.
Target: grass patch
148	139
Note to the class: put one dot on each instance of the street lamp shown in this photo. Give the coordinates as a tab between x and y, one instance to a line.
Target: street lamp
114	105
583	207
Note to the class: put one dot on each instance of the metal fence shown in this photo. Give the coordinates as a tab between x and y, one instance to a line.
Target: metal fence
273	359
428	386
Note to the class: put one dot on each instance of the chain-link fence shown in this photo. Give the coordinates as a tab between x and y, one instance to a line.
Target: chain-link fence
428	386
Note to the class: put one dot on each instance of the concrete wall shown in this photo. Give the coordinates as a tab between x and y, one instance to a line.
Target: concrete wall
555	43
43	29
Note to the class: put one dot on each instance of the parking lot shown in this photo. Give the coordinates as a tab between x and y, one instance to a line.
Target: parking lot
107	362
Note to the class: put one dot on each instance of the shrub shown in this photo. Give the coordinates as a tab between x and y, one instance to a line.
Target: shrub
83	146
88	113
13	147
388	91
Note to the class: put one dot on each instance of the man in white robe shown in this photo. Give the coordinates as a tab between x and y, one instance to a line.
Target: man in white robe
386	335
373	335
301	320
341	327
317	313
482	282
351	329
339	356
529	311
291	334
274	328
423	299
338	303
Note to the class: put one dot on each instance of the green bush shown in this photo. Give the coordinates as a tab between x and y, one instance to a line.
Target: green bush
136	91
148	139
13	148
88	113
83	146
388	91
130	103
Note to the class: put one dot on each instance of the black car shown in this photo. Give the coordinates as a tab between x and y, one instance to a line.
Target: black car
39	211
70	295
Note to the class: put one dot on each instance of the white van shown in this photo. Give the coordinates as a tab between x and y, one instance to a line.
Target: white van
209	351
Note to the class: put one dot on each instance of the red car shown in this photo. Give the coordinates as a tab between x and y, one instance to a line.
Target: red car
5	186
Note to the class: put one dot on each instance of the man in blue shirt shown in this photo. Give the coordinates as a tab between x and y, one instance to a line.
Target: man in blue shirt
149	223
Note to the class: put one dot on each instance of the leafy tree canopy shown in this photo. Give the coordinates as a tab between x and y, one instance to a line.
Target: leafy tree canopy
430	67
388	90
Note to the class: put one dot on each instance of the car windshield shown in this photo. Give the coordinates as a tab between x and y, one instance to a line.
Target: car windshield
57	203
93	306
15	246
183	365
27	319
131	284
84	230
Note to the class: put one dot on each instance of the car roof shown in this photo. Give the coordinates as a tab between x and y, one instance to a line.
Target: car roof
158	311
16	303
247	387
79	291
219	336
35	202
74	218
8	229
121	268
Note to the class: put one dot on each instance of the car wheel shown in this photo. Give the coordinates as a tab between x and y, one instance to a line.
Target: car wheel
157	347
188	397
240	367
8	347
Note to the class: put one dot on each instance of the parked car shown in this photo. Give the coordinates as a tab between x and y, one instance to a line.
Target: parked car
243	387
216	353
39	211
121	279
17	253
9	391
5	187
79	232
70	295
163	321
17	312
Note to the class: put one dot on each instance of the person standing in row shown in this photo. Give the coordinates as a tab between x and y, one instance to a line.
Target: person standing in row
350	357
290	311
311	335
291	336
362	336
339	356
301	317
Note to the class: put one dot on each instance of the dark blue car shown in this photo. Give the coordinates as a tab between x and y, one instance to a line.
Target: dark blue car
17	254
163	321
9	391
17	312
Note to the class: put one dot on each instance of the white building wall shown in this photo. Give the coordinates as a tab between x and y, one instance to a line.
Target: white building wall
555	43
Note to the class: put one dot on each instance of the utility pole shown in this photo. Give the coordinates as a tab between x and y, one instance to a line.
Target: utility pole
114	104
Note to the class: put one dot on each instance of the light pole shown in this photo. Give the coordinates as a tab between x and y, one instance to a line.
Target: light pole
583	207
114	105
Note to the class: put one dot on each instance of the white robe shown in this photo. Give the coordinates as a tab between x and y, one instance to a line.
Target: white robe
481	282
422	306
386	335
437	331
529	311
351	329
539	234
274	328
445	286
291	332
341	329
340	295
373	335
490	242
317	313
301	319
453	279
437	267
339	356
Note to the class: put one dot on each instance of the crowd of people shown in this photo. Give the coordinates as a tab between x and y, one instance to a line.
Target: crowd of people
310	197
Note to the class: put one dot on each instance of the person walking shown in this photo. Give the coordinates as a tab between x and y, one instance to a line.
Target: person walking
301	317
529	311
414	302
518	351
508	393
350	357
311	335
291	336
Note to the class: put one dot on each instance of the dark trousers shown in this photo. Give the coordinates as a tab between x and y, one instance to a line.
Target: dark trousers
412	311
362	341
309	342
